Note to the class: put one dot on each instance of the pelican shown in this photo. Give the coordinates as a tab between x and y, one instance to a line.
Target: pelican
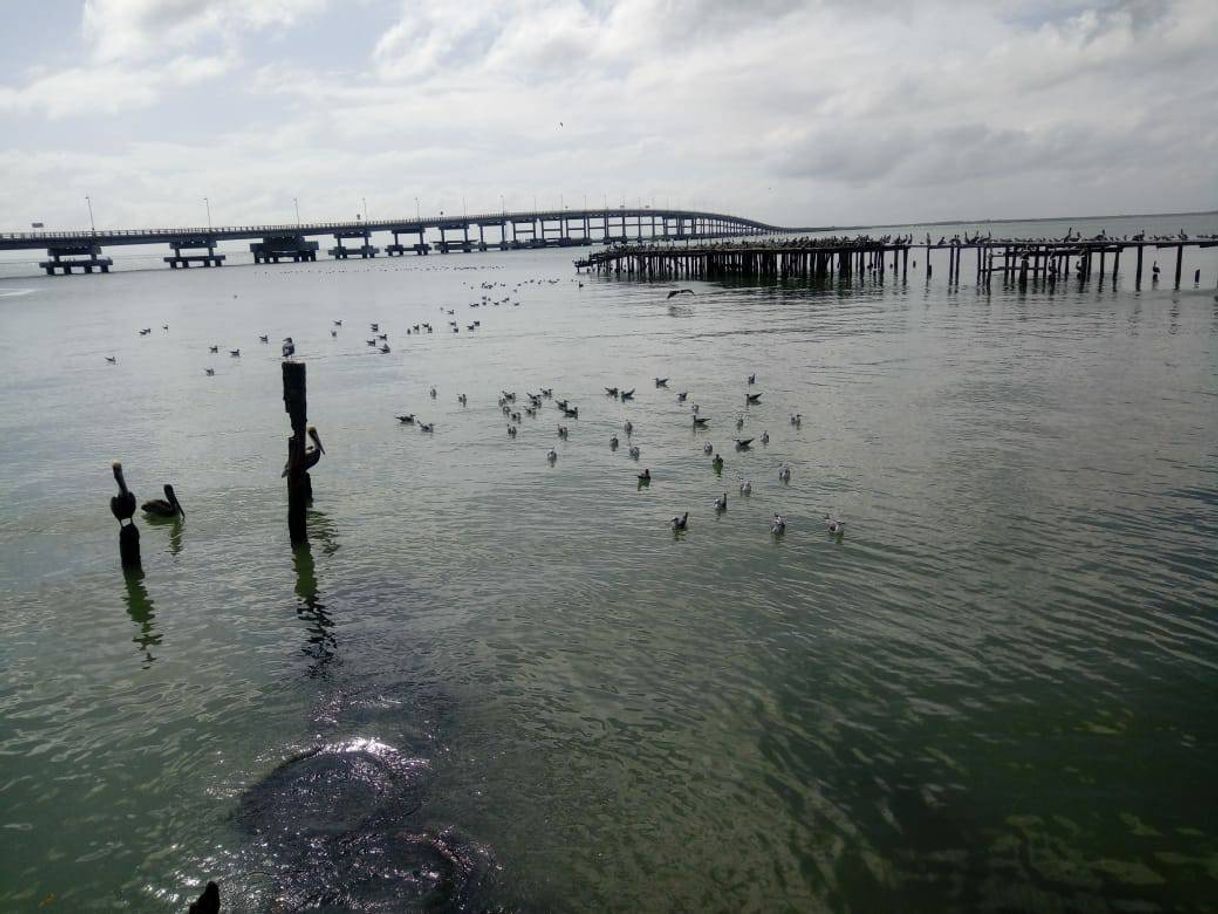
708	448
778	526
676	292
752	398
753	378
551	455
742	444
112	360
634	451
835	527
645	476
235	353
407	419
427	427
717	464
164	507
680	522
613	443
746	487
682	395
784	473
122	505
699	422
721	502
765	437
661	382
312	454
289	348
511	431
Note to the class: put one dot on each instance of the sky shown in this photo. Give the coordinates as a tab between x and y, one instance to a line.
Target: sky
812	113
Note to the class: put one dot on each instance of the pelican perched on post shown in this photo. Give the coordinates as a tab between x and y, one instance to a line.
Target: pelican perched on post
122	505
164	507
312	454
289	348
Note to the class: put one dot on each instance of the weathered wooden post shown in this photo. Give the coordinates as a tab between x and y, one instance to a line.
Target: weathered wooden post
295	402
1138	277
1179	262
122	506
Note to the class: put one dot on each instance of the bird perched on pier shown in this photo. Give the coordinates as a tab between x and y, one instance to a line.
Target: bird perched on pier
679	522
164	507
289	348
676	292
122	505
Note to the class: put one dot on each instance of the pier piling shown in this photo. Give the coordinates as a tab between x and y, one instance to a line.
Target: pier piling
295	403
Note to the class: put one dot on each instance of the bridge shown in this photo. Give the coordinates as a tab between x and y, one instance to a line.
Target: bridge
81	250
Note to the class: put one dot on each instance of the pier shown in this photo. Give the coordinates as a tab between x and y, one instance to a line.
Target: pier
1013	260
508	231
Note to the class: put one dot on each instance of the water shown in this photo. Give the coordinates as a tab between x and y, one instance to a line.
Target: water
496	683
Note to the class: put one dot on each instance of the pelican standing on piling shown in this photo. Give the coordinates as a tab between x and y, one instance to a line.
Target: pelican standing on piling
122	505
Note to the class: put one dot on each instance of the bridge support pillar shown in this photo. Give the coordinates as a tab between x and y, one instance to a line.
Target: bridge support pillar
83	257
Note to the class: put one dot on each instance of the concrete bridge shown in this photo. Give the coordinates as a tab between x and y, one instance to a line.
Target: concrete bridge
70	251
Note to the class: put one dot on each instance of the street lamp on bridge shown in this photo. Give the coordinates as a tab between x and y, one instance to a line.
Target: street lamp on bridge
207	203
89	203
296	203
417	217
365	202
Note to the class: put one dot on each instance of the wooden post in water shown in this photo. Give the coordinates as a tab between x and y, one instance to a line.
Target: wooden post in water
1138	276
1179	262
295	402
122	506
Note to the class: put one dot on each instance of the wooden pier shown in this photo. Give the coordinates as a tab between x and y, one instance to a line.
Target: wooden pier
1013	260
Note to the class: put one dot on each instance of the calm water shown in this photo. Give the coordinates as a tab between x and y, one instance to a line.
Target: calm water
996	692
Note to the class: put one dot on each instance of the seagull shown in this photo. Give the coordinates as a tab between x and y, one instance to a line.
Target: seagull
334	334
338	323
682	395
742	444
708	448
427	427
611	391
462	399
835	527
112	360
627	394
263	337
721	502
634	451
407	419
433	393
164	507
235	353
753	378
778	526
765	437
752	398
661	382
645	476
746	487
213	348
680	522
209	372
613	443
739	423
562	431
511	431
385	348
784	473
551	455
628	427
797	419
676	292
717	464
289	348
376	327
700	422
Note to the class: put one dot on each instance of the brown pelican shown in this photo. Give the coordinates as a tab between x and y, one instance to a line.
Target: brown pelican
122	505
312	454
164	507
289	348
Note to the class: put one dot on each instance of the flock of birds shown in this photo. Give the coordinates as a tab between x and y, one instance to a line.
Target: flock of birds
515	409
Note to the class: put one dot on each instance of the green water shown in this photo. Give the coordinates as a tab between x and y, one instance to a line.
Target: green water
996	692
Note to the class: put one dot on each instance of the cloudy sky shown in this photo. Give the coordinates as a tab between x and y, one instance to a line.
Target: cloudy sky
829	112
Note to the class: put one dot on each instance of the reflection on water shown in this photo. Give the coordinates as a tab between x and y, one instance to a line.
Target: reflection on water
321	644
175	536
140	609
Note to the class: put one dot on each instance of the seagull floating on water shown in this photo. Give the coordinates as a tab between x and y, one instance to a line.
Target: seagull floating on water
679	522
551	455
661	382
112	360
835	527
613	443
682	395
778	526
645	476
708	448
784	473
634	451
721	502
407	419
765	437
746	487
